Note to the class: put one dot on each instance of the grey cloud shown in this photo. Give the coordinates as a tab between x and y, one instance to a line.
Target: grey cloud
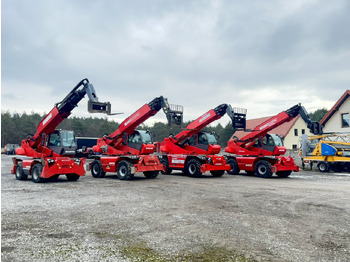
198	53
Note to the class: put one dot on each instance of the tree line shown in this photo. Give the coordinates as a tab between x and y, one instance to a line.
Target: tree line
16	127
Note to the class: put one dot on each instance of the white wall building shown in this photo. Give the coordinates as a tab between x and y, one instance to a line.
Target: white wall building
338	118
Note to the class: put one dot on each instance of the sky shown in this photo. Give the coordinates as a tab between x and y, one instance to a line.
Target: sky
263	55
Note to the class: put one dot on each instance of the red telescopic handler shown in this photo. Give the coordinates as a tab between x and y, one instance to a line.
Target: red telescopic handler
261	154
194	151
51	152
128	151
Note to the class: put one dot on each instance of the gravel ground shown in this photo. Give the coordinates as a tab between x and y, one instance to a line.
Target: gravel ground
305	217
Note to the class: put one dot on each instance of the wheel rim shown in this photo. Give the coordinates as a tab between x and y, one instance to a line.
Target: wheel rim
36	174
322	167
262	169
192	169
122	171
95	169
18	173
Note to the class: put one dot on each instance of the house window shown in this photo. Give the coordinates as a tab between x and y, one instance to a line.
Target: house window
302	131
296	132
294	146
345	120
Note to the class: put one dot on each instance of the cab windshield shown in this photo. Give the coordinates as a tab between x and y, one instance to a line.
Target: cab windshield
211	139
68	138
54	139
277	140
146	137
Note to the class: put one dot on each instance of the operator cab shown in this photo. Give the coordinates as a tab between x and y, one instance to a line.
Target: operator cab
205	140
139	138
62	142
272	143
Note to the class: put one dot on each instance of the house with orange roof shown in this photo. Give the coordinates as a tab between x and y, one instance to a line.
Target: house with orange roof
338	118
289	132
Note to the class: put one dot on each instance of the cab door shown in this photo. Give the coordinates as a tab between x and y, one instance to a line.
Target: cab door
54	142
269	143
135	140
203	142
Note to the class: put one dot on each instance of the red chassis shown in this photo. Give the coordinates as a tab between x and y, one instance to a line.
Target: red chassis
277	164
211	163
141	163
51	167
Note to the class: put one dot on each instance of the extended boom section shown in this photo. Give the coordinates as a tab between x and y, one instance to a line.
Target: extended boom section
127	151
195	151
52	151
261	153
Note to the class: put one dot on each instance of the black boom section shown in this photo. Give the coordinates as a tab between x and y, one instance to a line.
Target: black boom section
73	98
173	112
221	109
315	127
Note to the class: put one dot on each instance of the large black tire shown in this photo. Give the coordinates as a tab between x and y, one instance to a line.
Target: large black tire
217	173
36	172
165	162
193	168
124	170
234	166
72	177
20	175
323	167
151	174
263	169
338	167
283	173
347	167
97	170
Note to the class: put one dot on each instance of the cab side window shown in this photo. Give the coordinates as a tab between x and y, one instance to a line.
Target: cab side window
54	140
193	140
202	139
135	138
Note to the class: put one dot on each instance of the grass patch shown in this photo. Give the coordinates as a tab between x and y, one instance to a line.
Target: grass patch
136	251
141	252
213	253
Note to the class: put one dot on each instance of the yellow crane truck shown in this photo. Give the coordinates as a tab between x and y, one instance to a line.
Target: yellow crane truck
328	151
